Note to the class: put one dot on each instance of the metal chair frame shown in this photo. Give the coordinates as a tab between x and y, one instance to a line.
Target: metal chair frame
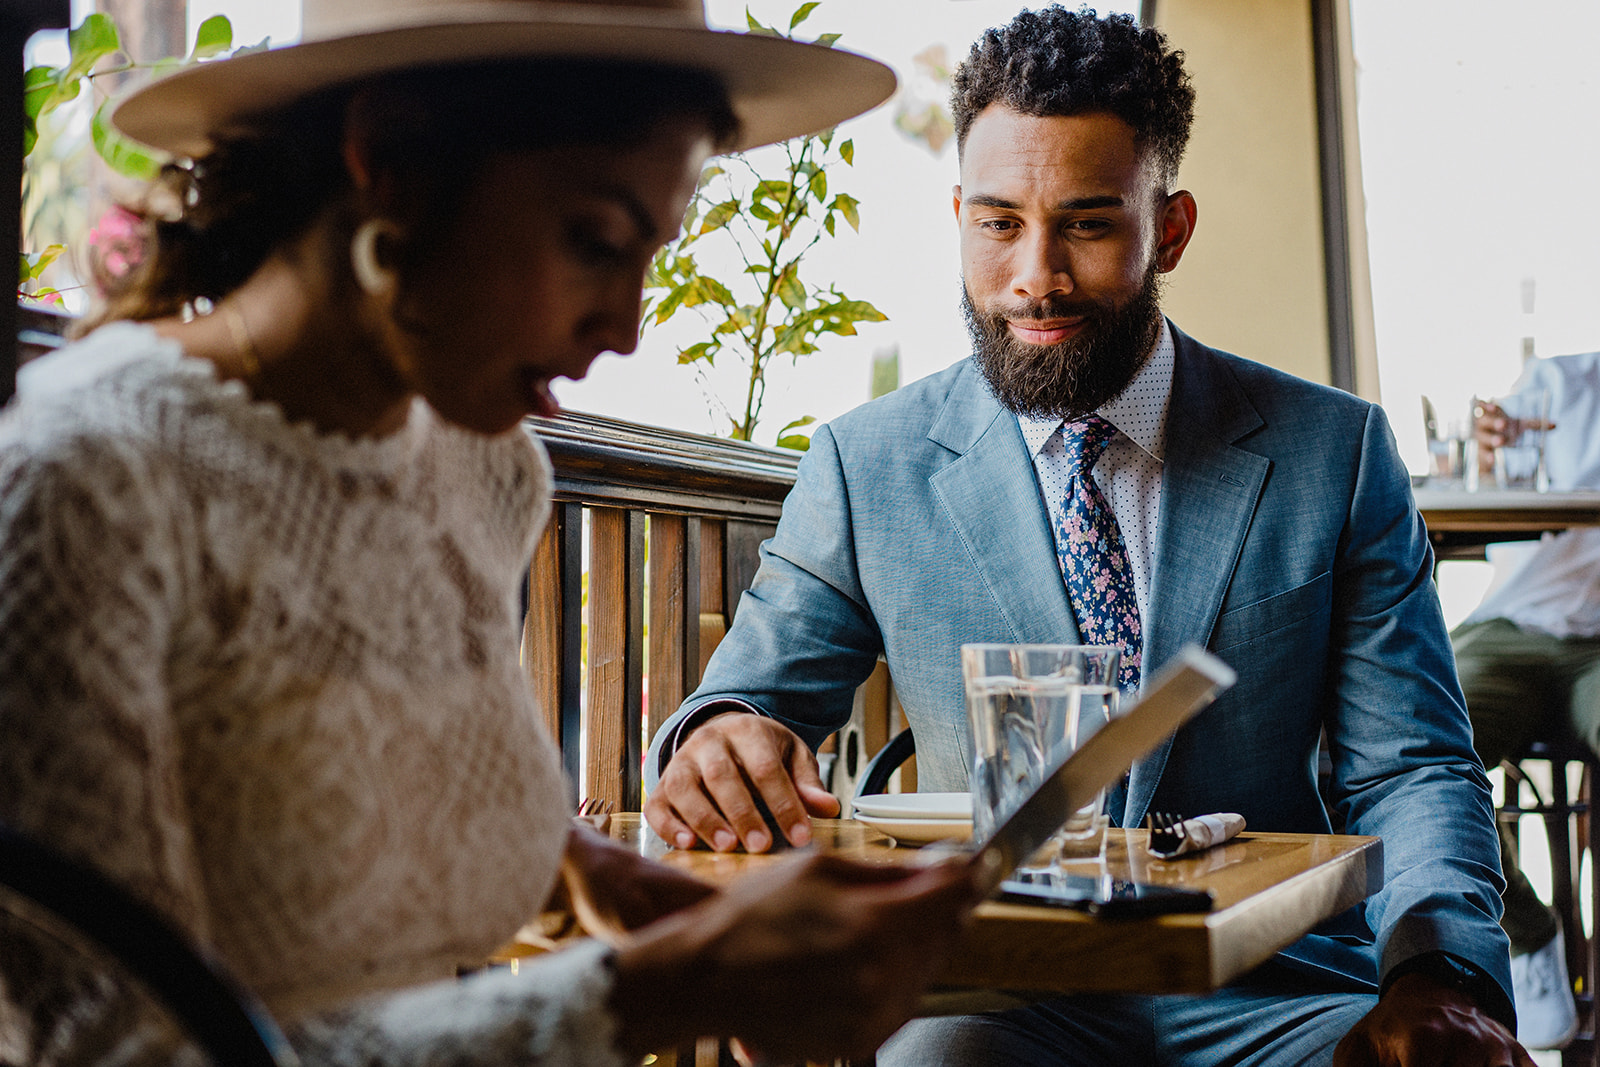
1571	831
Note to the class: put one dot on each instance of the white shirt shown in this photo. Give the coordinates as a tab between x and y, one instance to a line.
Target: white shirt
1554	585
1129	471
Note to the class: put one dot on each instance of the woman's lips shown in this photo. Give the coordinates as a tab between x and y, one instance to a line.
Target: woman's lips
1046	333
536	395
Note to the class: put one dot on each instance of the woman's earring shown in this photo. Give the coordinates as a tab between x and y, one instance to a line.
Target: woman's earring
372	275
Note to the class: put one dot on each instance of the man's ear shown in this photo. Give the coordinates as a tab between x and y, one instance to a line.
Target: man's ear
1177	226
955	193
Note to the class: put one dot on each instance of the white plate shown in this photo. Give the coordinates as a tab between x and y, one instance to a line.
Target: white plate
916	806
919	831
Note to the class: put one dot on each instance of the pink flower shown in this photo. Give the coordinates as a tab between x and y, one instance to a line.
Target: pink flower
117	241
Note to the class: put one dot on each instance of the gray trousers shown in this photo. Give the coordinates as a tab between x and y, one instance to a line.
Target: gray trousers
1522	686
1274	1017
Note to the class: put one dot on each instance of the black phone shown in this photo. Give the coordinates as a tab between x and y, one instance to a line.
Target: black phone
1103	897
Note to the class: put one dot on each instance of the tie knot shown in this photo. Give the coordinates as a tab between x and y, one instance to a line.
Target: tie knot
1086	440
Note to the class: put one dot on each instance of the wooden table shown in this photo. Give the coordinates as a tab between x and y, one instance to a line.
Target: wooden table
1270	889
1461	523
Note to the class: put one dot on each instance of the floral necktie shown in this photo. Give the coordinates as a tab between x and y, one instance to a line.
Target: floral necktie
1094	560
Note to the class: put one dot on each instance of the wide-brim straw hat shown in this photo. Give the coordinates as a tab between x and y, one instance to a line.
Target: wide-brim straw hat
779	88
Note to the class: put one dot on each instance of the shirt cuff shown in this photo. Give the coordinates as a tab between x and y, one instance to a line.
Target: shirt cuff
697	718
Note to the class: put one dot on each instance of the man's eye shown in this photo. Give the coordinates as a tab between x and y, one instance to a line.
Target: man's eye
998	225
1089	226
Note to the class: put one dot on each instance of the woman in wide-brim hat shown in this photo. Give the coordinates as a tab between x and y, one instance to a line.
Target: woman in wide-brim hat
261	534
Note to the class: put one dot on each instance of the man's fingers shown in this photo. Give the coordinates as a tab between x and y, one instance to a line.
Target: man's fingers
814	796
673	827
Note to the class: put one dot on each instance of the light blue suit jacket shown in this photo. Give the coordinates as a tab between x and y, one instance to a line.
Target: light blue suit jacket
1288	544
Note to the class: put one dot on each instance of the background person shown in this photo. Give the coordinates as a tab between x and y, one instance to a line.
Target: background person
261	537
1529	658
1090	460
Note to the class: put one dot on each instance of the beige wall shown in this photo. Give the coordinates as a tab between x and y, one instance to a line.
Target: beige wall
1252	279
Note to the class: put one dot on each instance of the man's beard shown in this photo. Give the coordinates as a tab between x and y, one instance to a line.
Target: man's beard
1070	378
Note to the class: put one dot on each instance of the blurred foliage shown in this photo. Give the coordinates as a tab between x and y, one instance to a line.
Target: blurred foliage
921	113
55	101
771	220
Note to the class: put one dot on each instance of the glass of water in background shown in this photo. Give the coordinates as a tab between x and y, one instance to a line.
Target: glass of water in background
1028	708
1519	463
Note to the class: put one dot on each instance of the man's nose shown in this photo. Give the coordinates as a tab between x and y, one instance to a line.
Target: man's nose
1042	268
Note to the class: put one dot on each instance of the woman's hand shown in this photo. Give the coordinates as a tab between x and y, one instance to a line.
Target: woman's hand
815	957
613	889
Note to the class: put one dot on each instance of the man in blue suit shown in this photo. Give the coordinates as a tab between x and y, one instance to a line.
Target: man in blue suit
1262	516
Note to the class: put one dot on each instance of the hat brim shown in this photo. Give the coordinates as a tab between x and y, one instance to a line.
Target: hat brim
779	88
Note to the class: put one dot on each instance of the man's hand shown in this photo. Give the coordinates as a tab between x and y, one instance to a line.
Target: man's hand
708	792
1492	428
1421	1023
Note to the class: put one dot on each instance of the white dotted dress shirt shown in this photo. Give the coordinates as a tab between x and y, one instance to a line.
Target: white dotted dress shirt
1129	472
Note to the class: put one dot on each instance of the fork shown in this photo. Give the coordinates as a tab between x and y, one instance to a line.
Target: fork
596	811
1167	833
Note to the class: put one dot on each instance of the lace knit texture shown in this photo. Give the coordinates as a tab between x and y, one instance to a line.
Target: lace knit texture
269	679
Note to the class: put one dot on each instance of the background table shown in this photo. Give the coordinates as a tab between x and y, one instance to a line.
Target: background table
1461	523
1270	889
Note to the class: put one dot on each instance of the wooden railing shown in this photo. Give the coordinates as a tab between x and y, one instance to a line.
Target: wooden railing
674	521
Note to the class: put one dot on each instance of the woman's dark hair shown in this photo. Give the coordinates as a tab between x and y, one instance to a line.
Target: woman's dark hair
1060	62
427	132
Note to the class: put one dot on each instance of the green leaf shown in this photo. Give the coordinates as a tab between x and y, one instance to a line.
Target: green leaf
847	205
819	186
711	291
705	350
38	86
758	29
121	155
214	37
670	303
766	214
790	291
828	224
847	152
773	189
797	442
95	38
803	12
827	40
719	216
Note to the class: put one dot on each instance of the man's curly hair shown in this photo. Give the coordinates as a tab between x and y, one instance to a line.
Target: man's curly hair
1060	62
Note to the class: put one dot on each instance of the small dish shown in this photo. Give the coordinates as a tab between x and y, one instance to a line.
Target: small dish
945	806
919	831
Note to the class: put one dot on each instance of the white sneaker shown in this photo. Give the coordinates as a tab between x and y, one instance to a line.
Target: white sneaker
1547	1016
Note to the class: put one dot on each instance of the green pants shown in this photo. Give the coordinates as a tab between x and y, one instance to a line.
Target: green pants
1522	686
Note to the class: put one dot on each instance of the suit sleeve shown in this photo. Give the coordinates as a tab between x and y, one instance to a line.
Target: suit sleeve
803	635
1404	768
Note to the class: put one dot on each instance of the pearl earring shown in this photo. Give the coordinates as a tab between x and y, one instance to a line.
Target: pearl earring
374	278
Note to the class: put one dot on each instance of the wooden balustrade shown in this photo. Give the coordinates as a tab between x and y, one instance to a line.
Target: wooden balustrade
655	517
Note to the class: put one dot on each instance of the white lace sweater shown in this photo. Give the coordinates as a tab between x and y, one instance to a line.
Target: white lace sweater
269	679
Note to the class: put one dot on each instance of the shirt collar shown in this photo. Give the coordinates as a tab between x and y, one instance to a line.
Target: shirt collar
1140	412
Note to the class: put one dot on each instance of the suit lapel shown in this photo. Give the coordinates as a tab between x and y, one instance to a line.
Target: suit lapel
1209	492
991	496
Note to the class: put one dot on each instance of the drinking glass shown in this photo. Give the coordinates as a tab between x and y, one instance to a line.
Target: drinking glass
1077	685
1028	708
1519	463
